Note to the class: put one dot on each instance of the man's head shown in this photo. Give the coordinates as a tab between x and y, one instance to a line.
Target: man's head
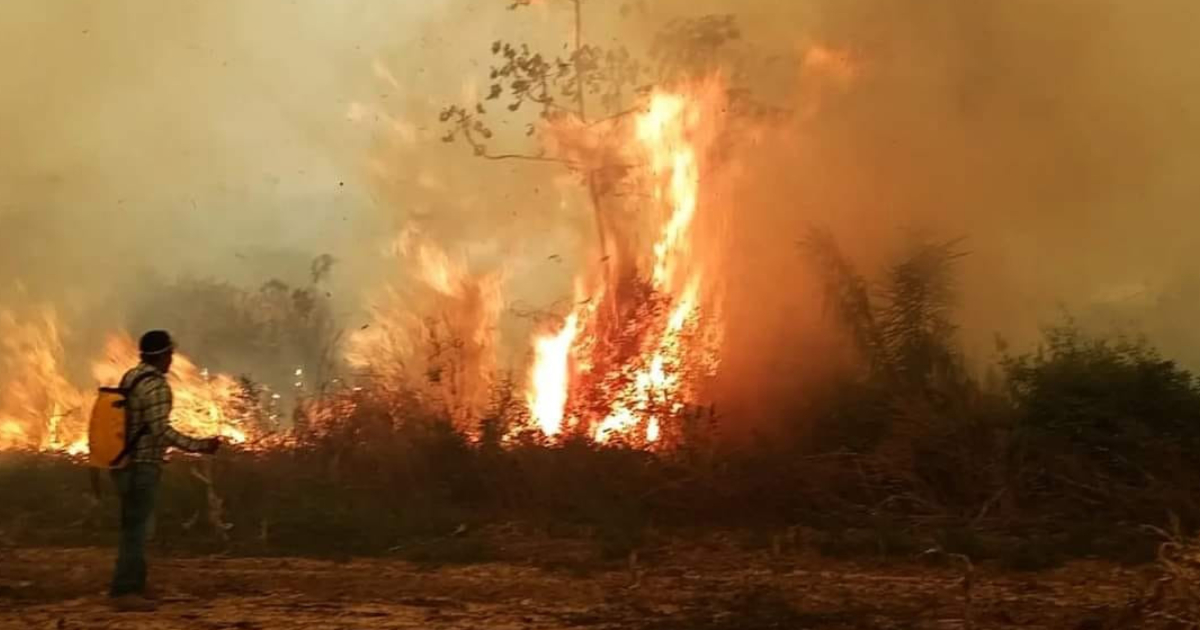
157	349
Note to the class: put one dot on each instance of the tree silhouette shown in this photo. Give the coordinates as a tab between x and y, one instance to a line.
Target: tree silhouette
590	92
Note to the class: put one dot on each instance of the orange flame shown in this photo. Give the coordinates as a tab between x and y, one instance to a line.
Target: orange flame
663	132
651	386
202	401
40	409
551	377
445	359
43	410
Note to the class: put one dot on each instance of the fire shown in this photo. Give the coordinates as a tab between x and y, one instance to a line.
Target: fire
551	386
626	370
42	409
657	386
625	363
201	400
662	131
446	359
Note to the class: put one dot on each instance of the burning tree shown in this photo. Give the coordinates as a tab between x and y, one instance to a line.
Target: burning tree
645	327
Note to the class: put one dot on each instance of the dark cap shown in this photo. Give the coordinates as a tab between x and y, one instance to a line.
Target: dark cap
156	342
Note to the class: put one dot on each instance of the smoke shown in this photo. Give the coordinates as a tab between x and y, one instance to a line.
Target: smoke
1049	134
206	139
1055	138
237	140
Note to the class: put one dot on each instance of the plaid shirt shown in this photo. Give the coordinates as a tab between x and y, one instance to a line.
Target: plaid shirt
150	403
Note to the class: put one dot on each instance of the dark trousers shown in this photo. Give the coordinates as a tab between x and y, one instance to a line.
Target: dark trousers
137	484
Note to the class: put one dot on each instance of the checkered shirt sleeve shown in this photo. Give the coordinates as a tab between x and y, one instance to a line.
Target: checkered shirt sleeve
150	403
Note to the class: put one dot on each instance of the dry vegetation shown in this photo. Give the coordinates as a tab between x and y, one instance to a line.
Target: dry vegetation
1075	461
711	582
1084	449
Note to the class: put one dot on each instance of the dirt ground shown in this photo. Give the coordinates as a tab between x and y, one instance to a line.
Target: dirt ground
680	589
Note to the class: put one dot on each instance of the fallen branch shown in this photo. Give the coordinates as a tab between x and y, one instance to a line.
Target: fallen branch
967	582
216	506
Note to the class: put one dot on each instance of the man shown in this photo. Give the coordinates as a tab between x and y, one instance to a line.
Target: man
137	483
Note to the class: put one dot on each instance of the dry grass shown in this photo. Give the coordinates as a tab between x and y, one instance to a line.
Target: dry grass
1174	597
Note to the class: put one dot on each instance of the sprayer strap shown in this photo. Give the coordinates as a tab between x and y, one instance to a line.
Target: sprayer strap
131	441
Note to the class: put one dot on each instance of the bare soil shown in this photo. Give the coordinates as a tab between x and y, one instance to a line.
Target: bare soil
684	587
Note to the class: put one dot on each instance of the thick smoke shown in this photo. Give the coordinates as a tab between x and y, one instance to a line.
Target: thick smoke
208	139
1055	138
237	140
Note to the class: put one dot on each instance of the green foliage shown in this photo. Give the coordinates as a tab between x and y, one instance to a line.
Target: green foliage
925	437
847	297
1105	395
1107	424
903	329
915	317
555	85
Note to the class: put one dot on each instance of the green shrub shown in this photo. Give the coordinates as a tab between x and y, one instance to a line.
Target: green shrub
1110	425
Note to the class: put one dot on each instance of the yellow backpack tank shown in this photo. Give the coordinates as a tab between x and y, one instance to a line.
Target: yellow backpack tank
108	427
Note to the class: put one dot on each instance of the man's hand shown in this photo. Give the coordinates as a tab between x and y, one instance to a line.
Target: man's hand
210	446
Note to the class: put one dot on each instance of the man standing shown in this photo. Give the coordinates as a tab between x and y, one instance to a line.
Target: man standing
149	415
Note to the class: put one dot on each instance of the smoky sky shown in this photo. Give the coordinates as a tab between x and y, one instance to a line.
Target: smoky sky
188	137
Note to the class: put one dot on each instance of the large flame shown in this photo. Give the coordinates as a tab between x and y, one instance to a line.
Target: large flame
551	377
623	364
625	376
202	401
39	408
42	409
663	132
446	358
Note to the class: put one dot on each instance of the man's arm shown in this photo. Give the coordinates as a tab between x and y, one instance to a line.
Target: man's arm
158	401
